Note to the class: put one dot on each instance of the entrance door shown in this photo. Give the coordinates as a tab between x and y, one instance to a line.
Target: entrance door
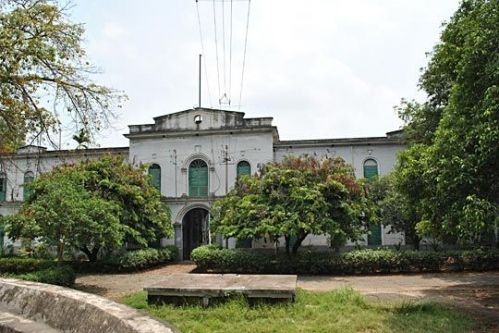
194	230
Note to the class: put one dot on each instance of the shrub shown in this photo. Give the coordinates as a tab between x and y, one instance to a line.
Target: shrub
214	259
62	275
130	260
24	265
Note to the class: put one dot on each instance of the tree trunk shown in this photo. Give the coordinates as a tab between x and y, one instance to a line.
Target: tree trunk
60	247
416	240
276	245
288	239
298	242
60	251
91	254
496	232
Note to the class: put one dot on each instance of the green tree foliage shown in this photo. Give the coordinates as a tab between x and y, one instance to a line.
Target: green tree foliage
92	205
455	133
394	209
44	74
293	199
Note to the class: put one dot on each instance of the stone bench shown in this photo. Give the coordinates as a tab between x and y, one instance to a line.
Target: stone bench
205	289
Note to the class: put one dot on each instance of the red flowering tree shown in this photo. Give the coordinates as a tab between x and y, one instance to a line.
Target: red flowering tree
293	199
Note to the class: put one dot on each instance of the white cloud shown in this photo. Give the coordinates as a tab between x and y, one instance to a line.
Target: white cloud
321	68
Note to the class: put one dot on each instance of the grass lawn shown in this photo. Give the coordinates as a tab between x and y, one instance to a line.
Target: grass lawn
342	310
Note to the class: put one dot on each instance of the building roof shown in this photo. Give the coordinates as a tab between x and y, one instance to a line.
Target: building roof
393	137
66	152
201	121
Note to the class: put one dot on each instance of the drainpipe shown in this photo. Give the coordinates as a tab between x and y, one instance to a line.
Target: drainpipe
226	169
175	158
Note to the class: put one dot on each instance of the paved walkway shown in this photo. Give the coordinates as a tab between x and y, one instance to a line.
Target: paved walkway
477	293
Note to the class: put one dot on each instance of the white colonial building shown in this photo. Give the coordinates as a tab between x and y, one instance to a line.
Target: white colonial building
195	156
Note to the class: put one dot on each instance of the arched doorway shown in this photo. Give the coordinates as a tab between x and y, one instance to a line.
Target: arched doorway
195	230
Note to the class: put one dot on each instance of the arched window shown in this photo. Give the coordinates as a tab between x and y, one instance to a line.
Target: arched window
3	186
370	169
155	175
243	169
28	178
198	179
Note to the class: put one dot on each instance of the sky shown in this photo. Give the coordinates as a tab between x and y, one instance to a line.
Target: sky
321	68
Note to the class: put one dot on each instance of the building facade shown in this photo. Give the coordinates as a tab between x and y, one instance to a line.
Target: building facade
195	157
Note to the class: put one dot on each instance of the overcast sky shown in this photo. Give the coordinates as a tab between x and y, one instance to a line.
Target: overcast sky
321	68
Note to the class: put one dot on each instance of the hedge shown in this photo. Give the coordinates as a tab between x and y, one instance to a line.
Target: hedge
24	265
129	261
251	261
62	275
37	270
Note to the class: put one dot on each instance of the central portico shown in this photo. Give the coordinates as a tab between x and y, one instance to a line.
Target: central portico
194	157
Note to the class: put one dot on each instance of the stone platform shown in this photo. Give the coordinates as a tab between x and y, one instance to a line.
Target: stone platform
205	289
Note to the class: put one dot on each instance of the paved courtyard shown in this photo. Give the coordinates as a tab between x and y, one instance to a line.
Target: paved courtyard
476	293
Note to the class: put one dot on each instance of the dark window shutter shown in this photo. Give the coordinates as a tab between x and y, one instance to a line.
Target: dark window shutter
198	179
155	175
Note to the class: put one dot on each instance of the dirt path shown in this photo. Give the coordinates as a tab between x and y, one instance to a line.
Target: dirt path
476	293
115	286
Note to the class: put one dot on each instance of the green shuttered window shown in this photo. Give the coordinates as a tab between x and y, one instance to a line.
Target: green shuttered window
371	172
198	179
155	174
370	169
374	235
28	178
243	169
3	187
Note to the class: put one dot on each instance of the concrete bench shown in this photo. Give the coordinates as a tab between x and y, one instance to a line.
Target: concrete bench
205	289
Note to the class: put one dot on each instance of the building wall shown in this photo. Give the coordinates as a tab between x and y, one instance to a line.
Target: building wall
39	161
354	154
222	141
175	154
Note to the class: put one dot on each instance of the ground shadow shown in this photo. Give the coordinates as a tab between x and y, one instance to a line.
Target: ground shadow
479	301
91	289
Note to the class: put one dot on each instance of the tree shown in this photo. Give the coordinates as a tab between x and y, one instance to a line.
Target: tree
66	215
293	199
44	74
92	205
395	209
460	162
